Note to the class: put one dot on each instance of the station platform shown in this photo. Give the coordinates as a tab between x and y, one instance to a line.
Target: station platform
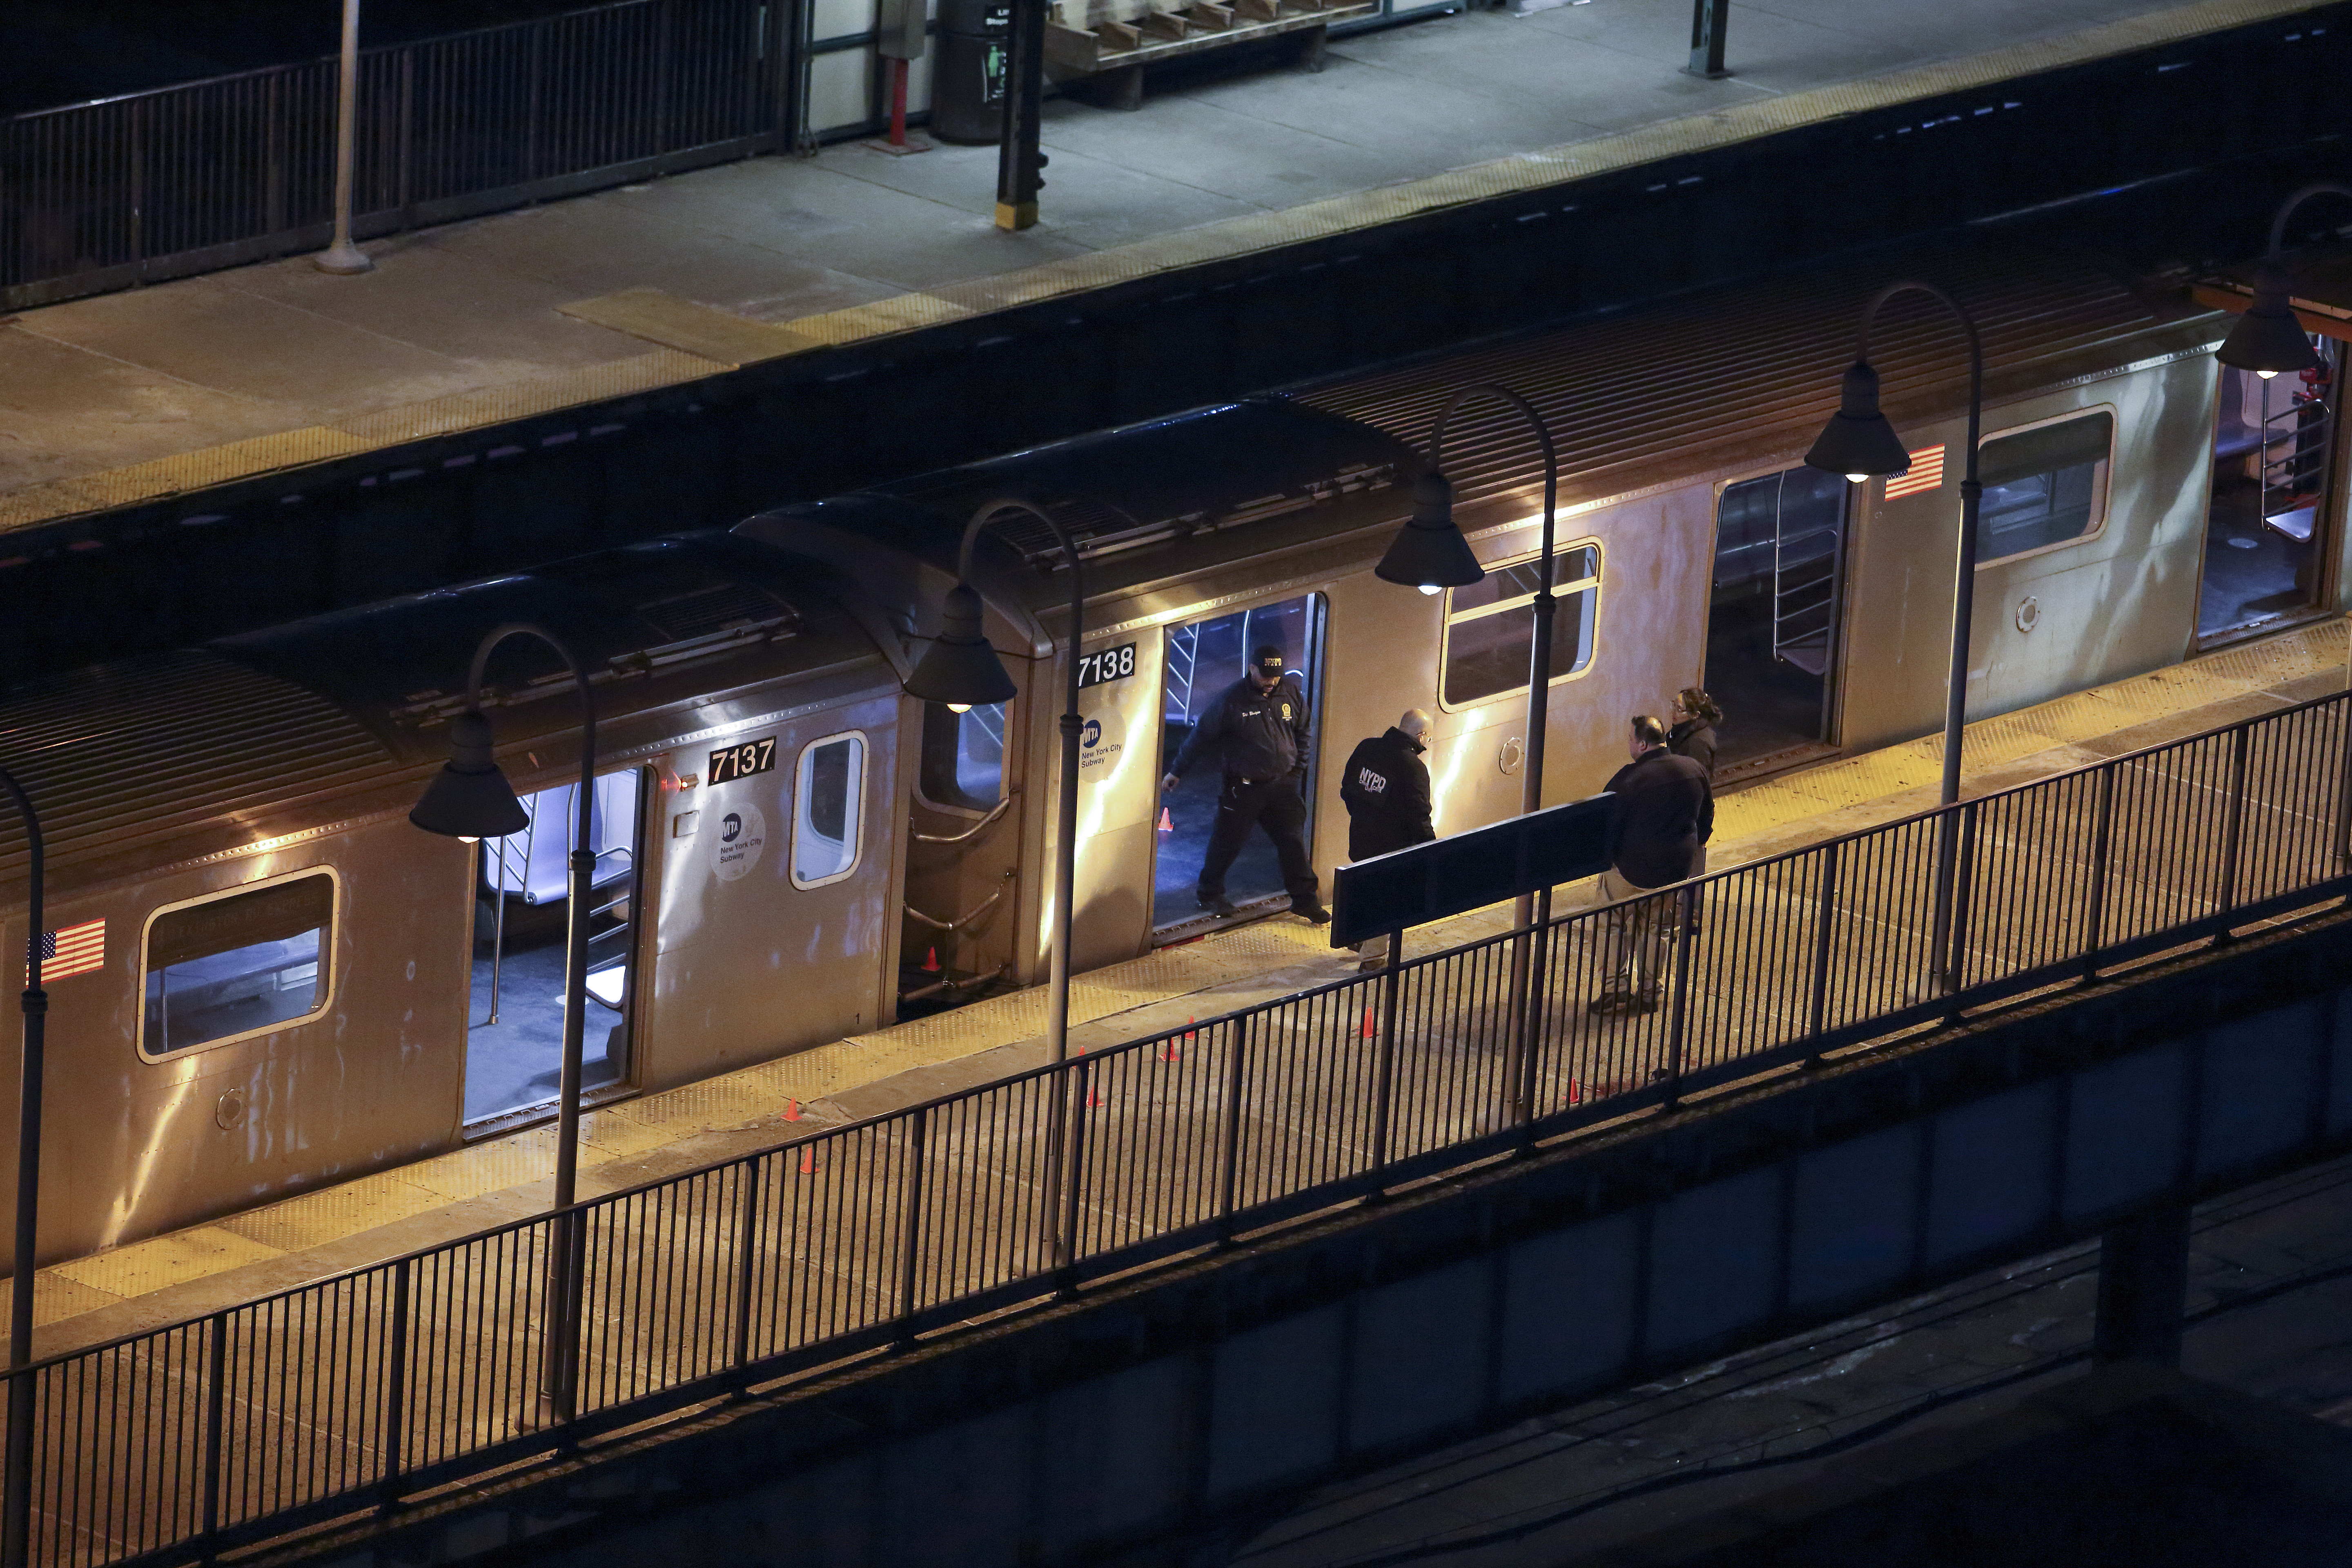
173	1277
127	398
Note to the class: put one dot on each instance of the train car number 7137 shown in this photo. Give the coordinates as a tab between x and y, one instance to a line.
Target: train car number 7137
744	761
1110	664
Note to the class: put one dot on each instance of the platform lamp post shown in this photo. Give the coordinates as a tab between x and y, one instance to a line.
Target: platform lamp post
1429	553
342	256
2268	338
962	670
1859	443
470	800
16	1531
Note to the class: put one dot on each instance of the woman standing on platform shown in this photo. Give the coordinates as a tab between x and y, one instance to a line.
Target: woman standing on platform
1693	736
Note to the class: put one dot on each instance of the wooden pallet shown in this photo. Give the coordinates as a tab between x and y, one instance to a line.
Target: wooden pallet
1159	35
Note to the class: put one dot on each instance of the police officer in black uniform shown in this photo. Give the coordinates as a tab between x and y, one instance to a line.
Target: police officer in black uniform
1257	729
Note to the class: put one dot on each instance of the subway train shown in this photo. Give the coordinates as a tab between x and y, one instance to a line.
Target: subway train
268	980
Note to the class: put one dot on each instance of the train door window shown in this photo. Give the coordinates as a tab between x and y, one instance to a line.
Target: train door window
2271	512
963	756
1772	615
1490	626
2043	487
828	809
237	964
522	922
1206	659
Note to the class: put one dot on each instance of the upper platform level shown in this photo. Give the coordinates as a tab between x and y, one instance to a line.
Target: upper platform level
792	266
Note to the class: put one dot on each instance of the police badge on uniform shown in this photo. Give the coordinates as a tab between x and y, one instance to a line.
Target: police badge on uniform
1286	709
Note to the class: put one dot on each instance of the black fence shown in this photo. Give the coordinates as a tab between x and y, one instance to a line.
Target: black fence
209	174
347	1392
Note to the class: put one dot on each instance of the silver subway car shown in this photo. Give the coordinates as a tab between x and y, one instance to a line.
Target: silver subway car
268	979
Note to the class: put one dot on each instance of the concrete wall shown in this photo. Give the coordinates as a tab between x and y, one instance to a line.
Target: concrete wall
1143	1422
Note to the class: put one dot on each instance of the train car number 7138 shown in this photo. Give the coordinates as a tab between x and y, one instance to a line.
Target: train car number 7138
744	761
1110	664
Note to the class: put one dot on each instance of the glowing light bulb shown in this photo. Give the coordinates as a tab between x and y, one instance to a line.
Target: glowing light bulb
1432	589
1857	479
2266	374
463	839
959	707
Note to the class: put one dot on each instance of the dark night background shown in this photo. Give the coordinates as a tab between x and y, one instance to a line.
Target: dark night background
57	51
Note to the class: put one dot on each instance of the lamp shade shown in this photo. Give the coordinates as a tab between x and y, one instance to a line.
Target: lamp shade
961	669
1429	552
469	798
1858	440
2267	339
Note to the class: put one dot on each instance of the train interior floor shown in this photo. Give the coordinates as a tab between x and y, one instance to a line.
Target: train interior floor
2253	572
125	397
169	1278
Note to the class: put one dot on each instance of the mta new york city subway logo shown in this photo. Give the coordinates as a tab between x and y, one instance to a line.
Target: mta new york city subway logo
1100	742
735	848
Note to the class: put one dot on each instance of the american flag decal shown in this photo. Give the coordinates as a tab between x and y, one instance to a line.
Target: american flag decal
76	950
1927	473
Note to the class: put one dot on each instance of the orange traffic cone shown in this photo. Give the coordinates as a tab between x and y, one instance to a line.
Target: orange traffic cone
1368	1023
1575	1092
808	1160
791	1110
1167	823
932	961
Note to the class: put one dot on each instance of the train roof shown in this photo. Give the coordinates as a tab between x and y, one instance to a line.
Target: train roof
1159	499
1747	373
1200	472
150	763
1638	399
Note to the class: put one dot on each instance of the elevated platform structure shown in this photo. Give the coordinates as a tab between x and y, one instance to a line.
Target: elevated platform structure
125	401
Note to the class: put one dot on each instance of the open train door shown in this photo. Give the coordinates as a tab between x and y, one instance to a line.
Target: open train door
963	855
2271	522
1205	658
1773	616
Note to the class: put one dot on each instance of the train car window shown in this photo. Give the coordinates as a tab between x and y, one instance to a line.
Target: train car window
238	963
2043	486
963	756
828	813
1490	626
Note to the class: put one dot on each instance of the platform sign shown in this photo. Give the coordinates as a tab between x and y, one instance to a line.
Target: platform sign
1470	870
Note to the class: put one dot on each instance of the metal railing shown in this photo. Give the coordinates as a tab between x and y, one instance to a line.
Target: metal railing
354	1390
208	173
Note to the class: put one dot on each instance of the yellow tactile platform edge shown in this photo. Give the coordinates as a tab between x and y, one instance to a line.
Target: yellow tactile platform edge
707	342
1990	744
719	336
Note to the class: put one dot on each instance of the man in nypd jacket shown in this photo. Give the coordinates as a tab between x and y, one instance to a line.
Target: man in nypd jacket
1386	791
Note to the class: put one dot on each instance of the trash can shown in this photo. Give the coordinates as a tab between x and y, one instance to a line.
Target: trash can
968	79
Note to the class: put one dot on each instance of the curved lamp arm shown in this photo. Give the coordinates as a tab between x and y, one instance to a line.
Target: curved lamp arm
2286	210
1539	655
1976	360
1543	439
